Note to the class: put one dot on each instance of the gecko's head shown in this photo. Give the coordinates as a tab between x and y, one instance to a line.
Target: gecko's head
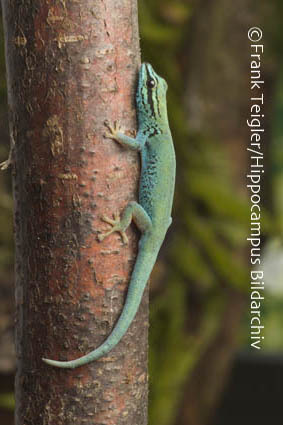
151	96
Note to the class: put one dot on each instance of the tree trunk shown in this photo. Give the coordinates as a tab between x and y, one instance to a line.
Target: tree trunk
70	66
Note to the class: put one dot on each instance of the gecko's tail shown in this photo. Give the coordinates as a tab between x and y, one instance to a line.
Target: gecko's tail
140	276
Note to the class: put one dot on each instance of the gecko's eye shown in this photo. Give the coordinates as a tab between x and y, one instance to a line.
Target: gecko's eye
151	83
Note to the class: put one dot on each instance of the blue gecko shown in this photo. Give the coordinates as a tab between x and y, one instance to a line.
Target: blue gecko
152	214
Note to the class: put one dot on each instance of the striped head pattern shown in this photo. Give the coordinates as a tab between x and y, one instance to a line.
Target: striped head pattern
151	100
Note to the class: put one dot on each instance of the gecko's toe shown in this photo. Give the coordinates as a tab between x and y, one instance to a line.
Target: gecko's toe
109	220
124	238
100	237
116	217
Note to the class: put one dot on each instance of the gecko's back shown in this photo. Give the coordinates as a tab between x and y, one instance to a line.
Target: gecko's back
158	179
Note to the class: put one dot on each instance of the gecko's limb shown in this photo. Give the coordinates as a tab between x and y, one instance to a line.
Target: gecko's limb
133	211
115	133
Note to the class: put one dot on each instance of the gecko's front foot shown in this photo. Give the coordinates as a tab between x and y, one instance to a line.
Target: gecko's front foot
117	227
113	130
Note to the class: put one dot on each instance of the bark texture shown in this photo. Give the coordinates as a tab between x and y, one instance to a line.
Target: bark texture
70	66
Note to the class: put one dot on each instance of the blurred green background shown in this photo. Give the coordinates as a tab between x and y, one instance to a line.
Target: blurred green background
200	356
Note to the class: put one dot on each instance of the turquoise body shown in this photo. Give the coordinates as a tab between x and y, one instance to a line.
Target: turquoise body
156	190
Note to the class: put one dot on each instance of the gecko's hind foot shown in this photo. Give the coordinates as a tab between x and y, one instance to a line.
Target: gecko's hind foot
113	130
116	223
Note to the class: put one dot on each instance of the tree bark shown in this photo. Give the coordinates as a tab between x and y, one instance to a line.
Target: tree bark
70	66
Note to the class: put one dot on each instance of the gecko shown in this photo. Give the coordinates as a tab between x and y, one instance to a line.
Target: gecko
152	214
